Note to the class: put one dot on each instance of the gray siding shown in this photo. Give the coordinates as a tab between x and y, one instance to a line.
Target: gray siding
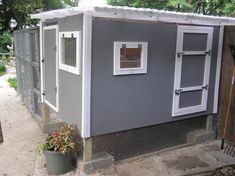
70	85
131	101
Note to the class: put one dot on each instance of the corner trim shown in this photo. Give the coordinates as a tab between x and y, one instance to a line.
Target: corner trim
86	75
218	69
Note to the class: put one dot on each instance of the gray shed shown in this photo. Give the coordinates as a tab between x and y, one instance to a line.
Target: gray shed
109	69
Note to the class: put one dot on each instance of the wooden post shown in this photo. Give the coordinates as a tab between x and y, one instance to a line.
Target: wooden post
45	114
87	149
1	136
209	123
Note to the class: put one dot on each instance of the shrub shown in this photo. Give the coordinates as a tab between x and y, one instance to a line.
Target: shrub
3	68
63	140
13	83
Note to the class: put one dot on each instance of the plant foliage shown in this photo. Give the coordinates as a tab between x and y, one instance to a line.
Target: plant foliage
13	83
63	140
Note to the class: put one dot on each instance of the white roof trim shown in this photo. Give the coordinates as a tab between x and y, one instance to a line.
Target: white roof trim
138	14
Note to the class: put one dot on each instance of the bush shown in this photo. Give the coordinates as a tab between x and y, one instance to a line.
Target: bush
3	69
13	83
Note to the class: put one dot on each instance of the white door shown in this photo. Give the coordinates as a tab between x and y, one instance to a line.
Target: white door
192	69
50	66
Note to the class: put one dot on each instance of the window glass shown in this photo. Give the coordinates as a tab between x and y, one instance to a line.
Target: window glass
130	57
69	51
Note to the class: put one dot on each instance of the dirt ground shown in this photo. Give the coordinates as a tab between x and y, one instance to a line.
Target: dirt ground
21	133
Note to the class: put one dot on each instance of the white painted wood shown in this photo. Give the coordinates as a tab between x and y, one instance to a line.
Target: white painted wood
41	58
86	75
68	68
126	71
53	27
218	69
131	13
176	110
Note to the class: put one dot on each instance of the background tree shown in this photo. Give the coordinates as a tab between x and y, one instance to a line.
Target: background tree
14	13
209	7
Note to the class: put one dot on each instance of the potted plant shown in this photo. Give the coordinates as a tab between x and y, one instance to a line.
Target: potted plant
59	149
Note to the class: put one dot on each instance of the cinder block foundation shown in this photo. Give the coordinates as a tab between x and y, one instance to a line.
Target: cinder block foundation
139	141
200	136
98	161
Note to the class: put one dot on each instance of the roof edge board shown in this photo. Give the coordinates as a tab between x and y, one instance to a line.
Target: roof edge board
156	18
138	14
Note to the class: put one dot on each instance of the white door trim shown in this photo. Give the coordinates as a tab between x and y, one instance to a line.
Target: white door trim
176	111
56	108
218	69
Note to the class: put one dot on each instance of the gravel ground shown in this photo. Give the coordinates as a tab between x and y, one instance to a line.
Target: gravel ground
21	133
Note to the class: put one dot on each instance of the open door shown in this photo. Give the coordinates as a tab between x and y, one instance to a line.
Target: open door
192	69
50	66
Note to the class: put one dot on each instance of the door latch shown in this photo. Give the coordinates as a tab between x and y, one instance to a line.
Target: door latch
44	93
177	91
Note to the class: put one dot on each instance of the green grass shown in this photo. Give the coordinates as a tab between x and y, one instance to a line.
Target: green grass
13	83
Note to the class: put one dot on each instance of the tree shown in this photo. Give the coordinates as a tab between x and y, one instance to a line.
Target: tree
209	7
17	11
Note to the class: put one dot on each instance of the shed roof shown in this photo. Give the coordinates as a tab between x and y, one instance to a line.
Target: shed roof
146	14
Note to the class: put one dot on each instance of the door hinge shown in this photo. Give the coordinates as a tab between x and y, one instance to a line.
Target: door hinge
55	48
43	59
180	53
56	89
208	52
205	87
178	91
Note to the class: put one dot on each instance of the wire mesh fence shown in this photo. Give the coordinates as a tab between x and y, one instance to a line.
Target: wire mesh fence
27	56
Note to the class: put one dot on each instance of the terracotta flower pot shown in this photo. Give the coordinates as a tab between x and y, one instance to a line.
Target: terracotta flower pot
57	163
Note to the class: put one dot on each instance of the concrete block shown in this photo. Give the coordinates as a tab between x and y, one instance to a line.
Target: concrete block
98	161
200	136
52	126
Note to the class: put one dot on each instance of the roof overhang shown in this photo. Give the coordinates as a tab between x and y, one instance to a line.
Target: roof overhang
144	14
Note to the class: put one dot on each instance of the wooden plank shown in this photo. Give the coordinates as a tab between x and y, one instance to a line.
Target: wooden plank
225	85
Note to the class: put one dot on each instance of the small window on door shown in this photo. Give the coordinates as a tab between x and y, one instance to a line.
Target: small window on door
70	51
130	58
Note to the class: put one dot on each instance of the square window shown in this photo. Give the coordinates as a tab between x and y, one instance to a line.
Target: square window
130	58
70	51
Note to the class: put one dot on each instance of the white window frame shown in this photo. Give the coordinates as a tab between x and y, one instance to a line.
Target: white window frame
126	71
69	68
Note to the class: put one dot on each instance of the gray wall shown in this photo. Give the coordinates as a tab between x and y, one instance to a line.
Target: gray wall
70	85
131	101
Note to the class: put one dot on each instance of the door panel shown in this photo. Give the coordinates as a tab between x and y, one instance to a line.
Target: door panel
192	72
194	42
192	68
50	66
191	98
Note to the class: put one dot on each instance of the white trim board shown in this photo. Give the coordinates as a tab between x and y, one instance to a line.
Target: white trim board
86	75
41	58
218	69
56	108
